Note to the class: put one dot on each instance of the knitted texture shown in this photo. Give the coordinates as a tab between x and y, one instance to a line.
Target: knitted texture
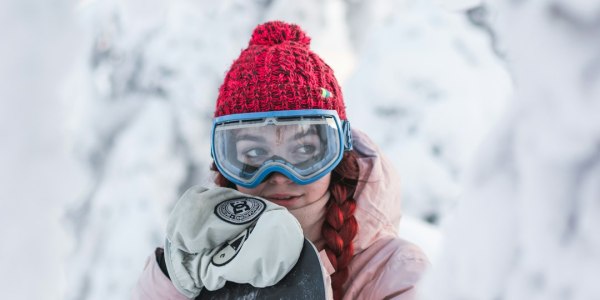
278	71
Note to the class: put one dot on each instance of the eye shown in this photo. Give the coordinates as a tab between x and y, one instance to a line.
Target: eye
255	152
306	149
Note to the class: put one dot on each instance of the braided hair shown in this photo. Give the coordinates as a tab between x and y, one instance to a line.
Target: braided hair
340	226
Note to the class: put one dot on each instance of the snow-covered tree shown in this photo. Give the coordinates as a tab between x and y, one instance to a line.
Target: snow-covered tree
426	89
527	227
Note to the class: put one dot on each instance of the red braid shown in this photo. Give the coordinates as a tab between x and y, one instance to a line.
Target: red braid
340	226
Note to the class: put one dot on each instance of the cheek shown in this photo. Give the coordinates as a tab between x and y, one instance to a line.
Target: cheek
319	187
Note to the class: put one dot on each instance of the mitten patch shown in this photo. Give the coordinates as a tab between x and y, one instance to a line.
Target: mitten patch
241	210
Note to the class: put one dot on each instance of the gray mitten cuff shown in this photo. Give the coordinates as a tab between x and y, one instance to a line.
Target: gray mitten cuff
218	235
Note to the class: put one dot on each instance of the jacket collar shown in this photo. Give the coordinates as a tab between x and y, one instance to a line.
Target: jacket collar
377	195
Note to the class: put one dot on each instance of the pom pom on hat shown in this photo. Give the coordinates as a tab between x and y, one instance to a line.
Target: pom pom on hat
277	32
276	72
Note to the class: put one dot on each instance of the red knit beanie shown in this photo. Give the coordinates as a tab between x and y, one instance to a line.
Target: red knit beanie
279	72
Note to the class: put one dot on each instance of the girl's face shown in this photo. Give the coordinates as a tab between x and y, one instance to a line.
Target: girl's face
283	191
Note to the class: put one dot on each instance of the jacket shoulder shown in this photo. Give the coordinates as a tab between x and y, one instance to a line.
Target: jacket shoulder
389	269
153	284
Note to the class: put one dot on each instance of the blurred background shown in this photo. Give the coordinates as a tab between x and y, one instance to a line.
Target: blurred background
106	109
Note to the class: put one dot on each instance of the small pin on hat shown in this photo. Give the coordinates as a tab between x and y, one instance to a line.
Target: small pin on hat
325	93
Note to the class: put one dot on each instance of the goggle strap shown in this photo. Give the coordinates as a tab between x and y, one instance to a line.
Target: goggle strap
347	132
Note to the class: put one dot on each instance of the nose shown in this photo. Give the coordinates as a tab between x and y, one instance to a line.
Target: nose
278	178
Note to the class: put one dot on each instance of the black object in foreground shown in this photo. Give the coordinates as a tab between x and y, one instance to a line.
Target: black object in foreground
303	282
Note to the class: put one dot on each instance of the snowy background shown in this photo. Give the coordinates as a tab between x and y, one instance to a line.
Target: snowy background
106	106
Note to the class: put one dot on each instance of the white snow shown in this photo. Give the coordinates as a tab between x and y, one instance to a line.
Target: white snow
527	225
38	174
427	89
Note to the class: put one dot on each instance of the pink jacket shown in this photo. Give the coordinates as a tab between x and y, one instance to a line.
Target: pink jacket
384	266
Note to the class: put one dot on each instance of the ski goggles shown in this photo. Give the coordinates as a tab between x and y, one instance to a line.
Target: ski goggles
303	145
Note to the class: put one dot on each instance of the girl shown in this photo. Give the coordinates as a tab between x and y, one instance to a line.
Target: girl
281	133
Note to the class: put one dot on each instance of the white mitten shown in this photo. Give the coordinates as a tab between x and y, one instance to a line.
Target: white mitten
218	235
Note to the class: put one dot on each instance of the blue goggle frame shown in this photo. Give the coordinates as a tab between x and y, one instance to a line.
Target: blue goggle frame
344	135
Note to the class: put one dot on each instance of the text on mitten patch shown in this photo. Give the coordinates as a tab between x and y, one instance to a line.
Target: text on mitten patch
240	210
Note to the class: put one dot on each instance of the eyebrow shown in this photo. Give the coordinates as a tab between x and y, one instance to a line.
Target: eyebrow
252	138
300	135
